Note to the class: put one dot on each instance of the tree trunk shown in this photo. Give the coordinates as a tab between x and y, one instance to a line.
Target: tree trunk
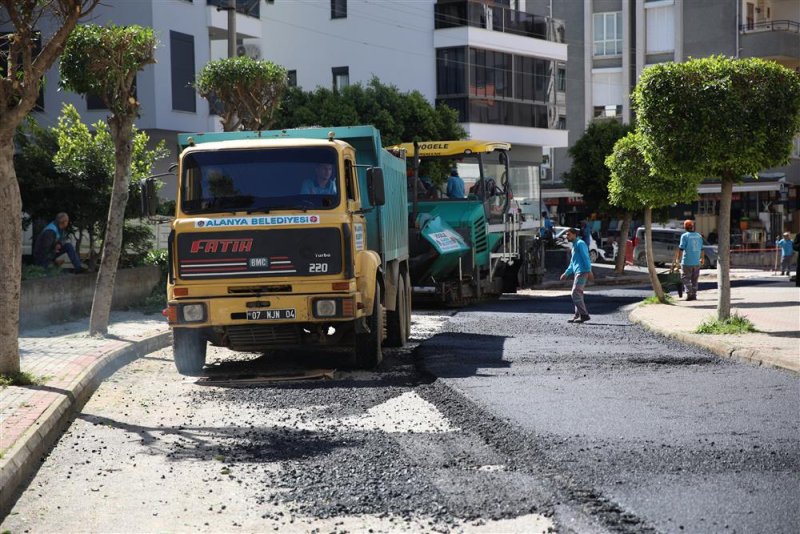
648	247
121	132
10	259
724	249
622	243
92	255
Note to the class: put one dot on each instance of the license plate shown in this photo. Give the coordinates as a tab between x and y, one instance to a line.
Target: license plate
270	315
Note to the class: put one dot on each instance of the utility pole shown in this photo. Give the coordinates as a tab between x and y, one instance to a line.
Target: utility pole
231	9
231	28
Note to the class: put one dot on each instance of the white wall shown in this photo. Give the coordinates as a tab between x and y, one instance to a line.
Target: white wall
300	35
154	88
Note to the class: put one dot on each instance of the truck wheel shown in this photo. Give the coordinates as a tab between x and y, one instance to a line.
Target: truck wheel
368	345
189	348
399	320
642	260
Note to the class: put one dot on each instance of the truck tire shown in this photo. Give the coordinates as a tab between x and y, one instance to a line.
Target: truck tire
189	348
399	321
642	260
368	345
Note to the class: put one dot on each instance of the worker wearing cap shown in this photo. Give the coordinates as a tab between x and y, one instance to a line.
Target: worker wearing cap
455	185
690	256
786	247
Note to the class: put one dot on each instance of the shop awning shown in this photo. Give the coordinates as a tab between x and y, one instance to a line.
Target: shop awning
559	192
706	189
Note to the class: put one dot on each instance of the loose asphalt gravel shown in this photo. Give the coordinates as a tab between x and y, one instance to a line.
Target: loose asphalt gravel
498	418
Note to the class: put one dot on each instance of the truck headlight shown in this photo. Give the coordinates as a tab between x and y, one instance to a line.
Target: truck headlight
325	308
193	313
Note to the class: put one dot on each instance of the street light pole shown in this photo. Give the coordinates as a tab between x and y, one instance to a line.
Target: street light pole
231	28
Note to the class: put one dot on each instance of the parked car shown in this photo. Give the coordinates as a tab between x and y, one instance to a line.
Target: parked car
595	252
665	243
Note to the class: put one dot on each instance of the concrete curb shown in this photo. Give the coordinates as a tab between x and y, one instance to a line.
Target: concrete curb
25	456
612	281
743	354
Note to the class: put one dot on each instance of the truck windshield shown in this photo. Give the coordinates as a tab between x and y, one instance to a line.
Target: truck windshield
259	180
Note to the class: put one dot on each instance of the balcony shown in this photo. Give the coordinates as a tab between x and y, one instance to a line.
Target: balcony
454	14
775	39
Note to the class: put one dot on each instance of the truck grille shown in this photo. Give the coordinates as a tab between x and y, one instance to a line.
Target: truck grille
257	337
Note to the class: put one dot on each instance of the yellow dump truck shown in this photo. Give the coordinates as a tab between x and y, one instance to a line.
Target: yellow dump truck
284	239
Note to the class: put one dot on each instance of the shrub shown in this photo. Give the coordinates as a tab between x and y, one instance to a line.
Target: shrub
32	272
735	324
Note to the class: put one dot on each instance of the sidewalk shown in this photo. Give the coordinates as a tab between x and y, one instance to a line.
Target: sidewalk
71	365
773	307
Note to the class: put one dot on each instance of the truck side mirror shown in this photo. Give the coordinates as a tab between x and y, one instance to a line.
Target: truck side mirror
375	191
149	197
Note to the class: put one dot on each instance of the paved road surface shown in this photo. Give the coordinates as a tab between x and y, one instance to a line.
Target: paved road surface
533	424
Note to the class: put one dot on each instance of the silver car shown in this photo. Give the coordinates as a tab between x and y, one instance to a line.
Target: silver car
665	243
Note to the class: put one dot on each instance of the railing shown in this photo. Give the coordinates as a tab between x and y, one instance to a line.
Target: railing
251	8
771	26
499	19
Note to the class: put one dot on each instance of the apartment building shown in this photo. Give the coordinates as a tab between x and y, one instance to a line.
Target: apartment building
610	42
502	68
190	33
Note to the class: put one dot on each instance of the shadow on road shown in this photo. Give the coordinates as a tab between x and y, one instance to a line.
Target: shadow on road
454	354
229	444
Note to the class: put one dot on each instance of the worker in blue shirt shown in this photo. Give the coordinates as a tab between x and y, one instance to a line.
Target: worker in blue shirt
455	185
690	256
546	230
581	267
786	247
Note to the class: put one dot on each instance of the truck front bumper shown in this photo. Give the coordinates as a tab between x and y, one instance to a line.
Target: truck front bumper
272	309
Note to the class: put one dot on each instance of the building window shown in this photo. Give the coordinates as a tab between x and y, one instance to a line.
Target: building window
341	77
181	55
338	9
451	71
492	87
660	33
607	33
291	78
561	79
608	112
490	73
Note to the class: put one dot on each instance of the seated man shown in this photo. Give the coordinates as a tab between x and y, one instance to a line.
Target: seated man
455	185
52	243
323	182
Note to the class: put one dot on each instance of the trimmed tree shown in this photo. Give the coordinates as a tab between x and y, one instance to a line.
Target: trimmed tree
248	90
399	116
104	61
589	175
718	117
633	185
87	157
26	55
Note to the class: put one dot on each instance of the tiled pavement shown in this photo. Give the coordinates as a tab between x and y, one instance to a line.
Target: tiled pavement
69	365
